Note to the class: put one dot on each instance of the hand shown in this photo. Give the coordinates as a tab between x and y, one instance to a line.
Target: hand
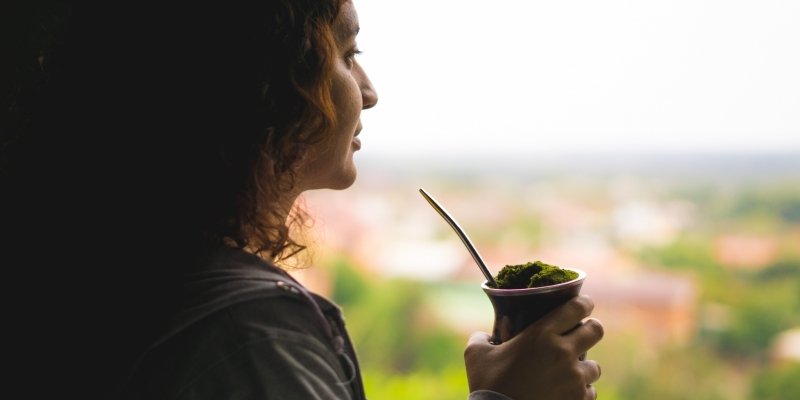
544	361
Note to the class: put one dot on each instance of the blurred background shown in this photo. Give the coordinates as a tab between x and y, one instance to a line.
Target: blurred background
655	145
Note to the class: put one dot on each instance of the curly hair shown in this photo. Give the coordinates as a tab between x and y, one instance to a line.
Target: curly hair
296	62
201	115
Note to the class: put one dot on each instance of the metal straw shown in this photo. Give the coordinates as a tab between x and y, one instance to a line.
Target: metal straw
462	236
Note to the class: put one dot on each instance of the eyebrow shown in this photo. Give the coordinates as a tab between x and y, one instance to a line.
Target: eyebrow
348	33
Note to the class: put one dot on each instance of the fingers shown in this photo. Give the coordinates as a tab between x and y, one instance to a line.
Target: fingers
591	393
565	317
477	344
591	371
478	339
586	335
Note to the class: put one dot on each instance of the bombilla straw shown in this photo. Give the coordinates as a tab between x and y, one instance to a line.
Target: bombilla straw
462	236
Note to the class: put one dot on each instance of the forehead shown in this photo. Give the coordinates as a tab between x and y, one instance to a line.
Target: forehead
346	24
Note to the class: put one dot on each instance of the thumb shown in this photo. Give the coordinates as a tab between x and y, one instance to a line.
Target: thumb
479	339
475	360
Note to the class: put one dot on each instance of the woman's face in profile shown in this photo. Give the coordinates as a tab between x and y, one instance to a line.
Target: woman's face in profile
329	164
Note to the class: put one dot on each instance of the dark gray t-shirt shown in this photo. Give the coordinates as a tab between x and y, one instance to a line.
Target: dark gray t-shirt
246	330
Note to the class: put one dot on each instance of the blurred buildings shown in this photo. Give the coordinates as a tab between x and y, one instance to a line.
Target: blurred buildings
391	231
746	251
786	347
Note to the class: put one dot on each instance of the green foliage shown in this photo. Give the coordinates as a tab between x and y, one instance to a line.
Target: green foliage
403	351
761	304
447	384
781	270
349	287
394	331
679	374
781	201
760	313
438	348
777	383
691	252
791	211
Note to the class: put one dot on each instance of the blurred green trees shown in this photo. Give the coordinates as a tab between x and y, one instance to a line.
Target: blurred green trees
404	350
777	383
407	352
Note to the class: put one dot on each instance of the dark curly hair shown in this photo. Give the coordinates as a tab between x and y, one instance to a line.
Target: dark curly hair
294	61
134	140
184	124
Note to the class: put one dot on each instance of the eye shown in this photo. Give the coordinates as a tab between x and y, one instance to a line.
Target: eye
350	57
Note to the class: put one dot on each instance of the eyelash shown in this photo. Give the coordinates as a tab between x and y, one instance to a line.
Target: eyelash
352	55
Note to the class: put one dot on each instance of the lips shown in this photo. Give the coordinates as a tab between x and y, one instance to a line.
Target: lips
356	140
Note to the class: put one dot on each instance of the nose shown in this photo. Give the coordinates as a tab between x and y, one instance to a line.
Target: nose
369	96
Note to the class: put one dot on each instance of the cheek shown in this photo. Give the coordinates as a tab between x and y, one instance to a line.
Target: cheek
347	98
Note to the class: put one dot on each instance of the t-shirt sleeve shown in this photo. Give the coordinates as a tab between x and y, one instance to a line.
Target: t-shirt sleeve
274	368
278	357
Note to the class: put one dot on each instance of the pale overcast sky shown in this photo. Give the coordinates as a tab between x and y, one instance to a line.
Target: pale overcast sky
528	76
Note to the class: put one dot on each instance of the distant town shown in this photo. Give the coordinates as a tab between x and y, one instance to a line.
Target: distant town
635	224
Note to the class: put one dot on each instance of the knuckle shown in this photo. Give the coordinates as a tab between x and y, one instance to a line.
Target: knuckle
576	372
595	327
591	393
599	370
581	305
476	349
587	303
470	351
563	349
591	371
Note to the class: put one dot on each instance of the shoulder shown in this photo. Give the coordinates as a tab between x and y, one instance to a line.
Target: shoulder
288	318
245	330
254	300
256	348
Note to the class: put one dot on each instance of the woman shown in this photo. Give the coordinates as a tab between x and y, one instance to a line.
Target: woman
186	170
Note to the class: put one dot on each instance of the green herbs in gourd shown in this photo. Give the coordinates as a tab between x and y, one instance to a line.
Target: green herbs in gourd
533	274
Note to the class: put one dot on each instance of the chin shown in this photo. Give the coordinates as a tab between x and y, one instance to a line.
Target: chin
345	182
342	179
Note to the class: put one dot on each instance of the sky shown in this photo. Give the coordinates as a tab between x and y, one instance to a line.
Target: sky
518	77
